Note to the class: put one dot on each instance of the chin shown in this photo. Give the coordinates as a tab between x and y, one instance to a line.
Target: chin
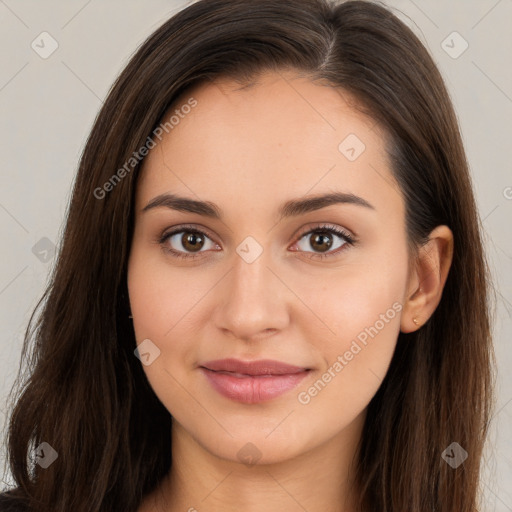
256	450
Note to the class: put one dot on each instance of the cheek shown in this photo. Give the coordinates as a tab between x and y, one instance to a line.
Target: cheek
160	300
165	303
357	297
361	306
160	296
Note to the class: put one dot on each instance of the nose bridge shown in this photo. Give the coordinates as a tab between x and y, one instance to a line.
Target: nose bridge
250	261
250	275
252	301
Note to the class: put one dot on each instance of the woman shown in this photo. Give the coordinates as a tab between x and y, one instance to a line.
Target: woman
271	292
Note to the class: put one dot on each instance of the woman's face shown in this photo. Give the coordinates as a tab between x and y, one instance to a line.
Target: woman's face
266	278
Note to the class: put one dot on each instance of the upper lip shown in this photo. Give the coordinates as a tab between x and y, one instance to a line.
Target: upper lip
259	367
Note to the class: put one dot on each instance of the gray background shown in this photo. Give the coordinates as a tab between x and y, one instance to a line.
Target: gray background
47	107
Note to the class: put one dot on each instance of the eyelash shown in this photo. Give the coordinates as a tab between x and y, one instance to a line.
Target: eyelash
324	228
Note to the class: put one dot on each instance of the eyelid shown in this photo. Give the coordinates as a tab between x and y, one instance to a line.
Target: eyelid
184	227
318	226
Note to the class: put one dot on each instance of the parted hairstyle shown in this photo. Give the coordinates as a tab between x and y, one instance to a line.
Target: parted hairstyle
81	389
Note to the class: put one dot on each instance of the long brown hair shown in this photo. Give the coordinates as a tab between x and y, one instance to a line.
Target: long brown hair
85	393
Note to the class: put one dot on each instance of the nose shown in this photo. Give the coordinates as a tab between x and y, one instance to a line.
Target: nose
252	302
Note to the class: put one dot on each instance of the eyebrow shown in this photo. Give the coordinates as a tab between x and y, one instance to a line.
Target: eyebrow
292	208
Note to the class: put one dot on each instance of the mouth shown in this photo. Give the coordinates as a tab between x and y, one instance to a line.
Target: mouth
253	368
252	381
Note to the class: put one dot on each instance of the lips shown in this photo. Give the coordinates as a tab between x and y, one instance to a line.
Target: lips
253	368
252	381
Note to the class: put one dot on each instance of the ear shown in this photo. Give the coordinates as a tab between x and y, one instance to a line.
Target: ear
427	279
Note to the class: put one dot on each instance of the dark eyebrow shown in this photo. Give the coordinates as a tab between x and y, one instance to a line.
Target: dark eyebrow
291	208
184	204
301	206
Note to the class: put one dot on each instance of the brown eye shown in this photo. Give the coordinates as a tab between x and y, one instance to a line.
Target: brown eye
321	241
192	241
186	242
324	241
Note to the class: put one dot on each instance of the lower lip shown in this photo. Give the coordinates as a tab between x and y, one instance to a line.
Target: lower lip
253	389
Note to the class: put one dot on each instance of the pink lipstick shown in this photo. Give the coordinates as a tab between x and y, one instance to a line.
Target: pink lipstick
252	381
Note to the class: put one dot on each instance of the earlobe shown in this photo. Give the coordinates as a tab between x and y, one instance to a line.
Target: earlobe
429	277
411	316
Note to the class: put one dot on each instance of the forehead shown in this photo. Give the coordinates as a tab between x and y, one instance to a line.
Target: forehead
283	136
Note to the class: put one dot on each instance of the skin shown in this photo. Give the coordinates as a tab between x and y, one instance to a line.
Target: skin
248	151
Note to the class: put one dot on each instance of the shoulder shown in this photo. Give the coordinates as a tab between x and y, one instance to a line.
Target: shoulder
10	502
